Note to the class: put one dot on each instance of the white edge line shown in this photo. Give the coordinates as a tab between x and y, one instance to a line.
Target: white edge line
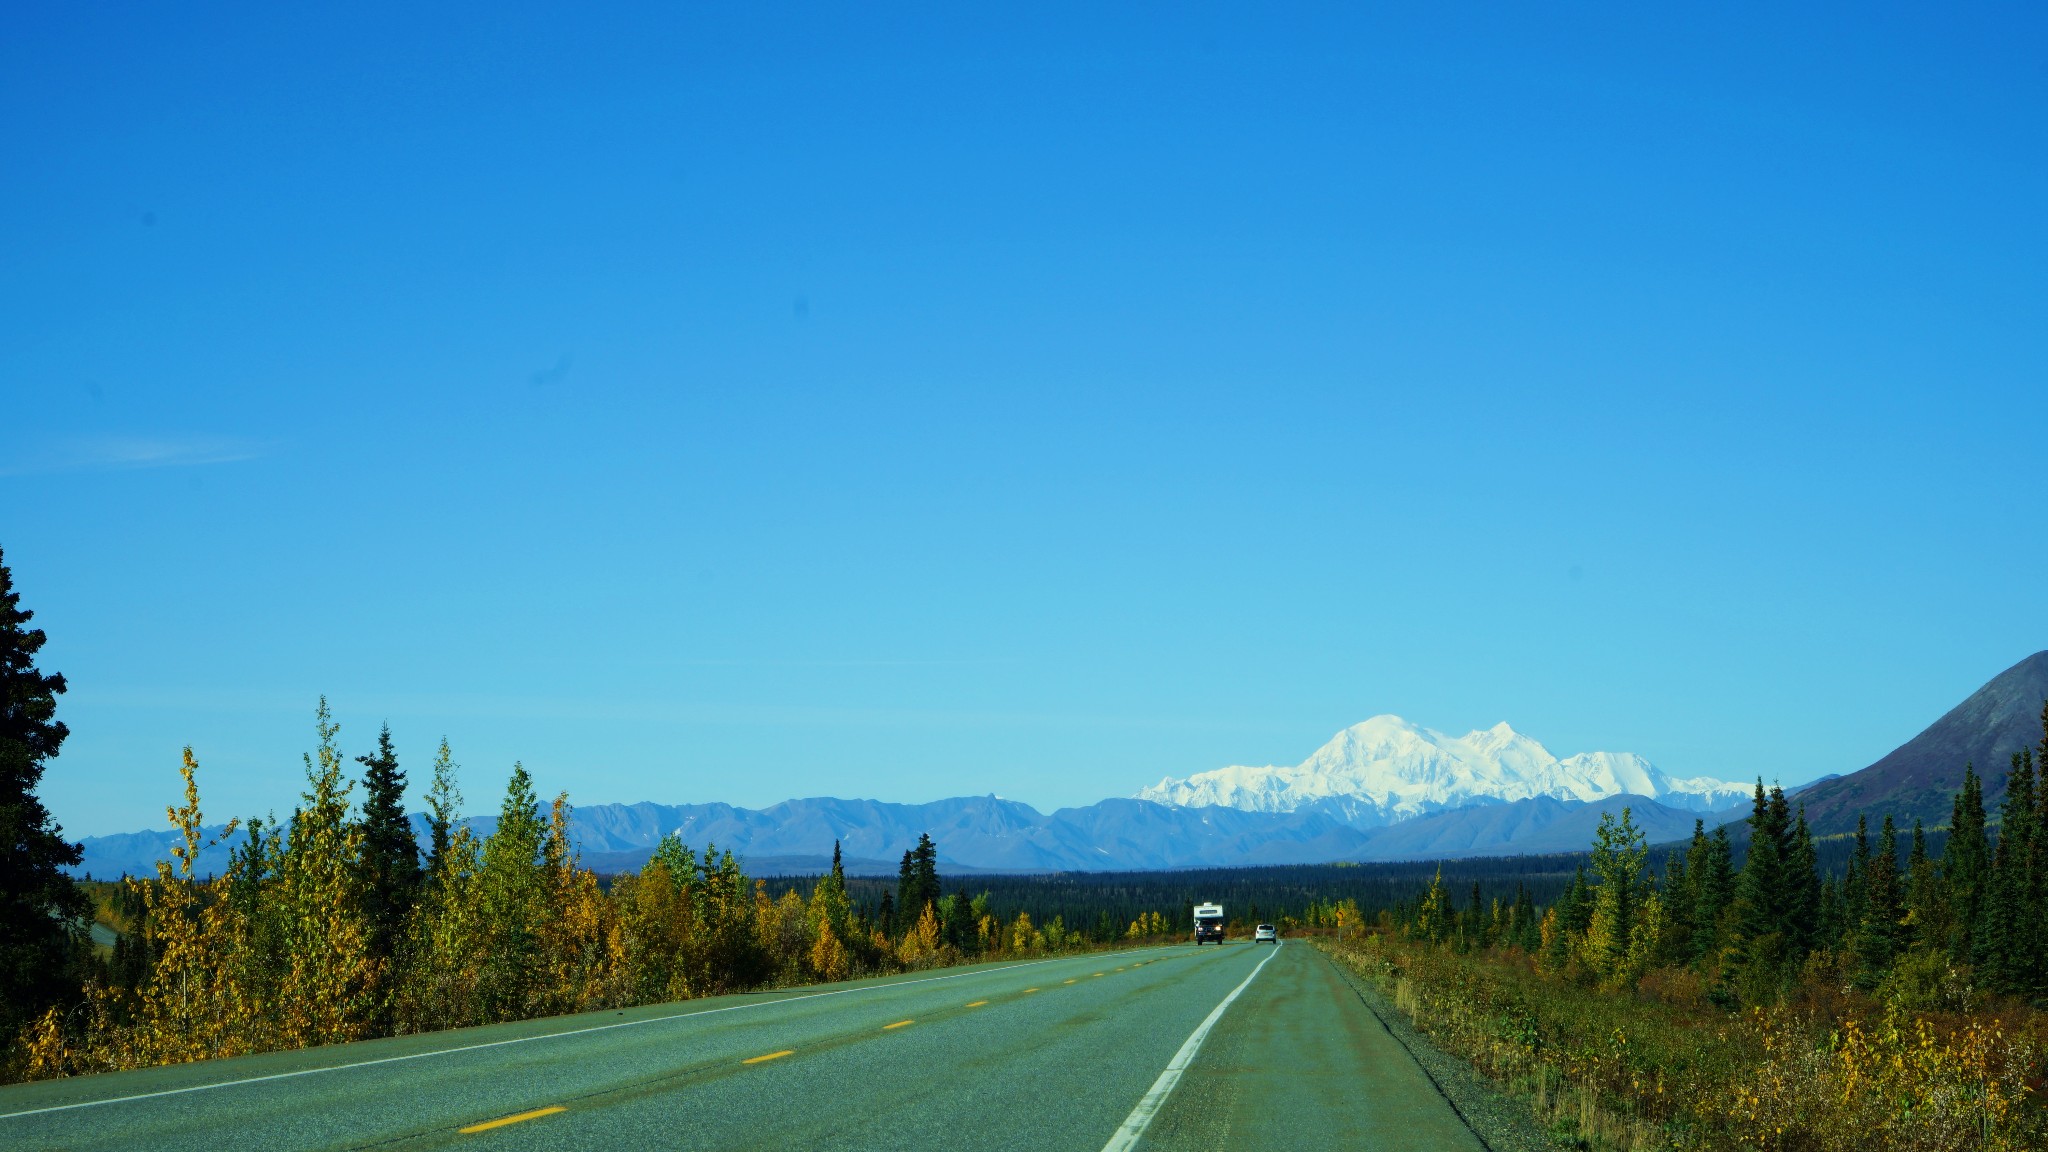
1135	1124
528	1039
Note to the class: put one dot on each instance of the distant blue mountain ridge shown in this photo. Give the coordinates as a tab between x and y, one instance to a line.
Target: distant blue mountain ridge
990	834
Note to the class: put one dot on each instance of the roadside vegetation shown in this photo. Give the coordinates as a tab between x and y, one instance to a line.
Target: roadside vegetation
1897	1005
333	926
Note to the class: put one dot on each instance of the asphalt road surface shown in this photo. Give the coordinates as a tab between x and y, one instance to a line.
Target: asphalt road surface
1159	1048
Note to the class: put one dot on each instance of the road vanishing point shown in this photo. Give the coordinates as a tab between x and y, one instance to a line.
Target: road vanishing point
1157	1048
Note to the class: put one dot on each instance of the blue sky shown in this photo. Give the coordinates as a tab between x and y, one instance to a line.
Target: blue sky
1040	401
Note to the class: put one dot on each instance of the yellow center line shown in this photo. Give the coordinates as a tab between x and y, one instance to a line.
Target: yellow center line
898	1024
1029	991
977	1004
1067	981
769	1056
1098	973
536	1114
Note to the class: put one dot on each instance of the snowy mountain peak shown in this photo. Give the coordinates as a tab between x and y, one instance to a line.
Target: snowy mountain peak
1386	769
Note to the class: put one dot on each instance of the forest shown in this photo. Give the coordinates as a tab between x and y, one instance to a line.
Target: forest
337	925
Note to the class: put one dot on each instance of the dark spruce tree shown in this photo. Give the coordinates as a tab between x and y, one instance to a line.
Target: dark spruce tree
43	915
1710	870
391	857
1966	872
2011	911
917	882
1802	890
1884	910
1759	891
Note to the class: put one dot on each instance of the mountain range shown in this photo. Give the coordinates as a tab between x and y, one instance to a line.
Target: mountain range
1381	790
990	834
1384	789
1387	770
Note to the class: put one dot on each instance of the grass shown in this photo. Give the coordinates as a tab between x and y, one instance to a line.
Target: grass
1661	1065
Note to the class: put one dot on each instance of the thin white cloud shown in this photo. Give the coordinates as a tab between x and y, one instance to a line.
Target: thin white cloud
124	453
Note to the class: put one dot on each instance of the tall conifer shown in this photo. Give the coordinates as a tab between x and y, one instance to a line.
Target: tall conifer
1877	938
1801	890
2009	924
1759	890
43	915
391	860
1966	871
1710	866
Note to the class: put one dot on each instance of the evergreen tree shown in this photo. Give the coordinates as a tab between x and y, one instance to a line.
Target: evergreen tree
43	915
2010	914
917	882
1528	934
1759	890
390	861
1710	869
1877	937
1926	903
1833	923
2035	981
1801	890
1856	885
1966	870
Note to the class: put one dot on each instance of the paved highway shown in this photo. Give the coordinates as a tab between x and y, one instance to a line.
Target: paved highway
1159	1048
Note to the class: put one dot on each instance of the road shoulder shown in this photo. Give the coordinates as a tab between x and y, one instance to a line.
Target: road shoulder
1502	1122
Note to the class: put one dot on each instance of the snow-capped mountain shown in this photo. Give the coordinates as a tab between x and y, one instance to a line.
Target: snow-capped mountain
1387	770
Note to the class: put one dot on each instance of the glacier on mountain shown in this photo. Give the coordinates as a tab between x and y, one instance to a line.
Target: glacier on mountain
1387	770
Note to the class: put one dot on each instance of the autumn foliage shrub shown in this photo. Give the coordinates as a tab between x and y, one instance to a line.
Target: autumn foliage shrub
1661	1065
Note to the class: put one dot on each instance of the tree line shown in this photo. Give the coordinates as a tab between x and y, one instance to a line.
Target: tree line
1931	929
334	925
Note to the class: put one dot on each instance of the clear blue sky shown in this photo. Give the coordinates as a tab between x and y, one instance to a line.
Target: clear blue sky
905	404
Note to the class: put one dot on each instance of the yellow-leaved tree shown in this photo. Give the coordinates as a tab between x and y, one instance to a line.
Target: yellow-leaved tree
327	990
921	945
445	940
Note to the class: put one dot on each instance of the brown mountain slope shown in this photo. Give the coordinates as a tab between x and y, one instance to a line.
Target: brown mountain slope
1920	777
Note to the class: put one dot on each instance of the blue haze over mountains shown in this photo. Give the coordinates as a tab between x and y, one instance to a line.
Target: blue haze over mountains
991	834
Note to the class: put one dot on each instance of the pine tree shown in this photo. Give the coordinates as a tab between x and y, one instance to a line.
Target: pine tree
1833	922
1801	890
1877	937
2009	919
917	882
1759	890
1966	870
391	861
1678	898
1528	932
43	915
1926	902
1710	868
2034	982
1856	884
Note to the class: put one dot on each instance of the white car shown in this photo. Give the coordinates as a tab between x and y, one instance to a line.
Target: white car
1265	934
